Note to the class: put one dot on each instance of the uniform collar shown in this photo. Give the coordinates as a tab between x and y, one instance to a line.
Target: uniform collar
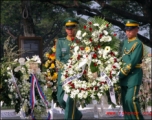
132	39
70	38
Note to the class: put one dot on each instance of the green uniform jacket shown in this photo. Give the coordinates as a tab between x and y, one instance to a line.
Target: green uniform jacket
62	54
131	72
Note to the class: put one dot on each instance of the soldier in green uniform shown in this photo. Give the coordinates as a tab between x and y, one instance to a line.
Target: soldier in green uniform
62	56
131	73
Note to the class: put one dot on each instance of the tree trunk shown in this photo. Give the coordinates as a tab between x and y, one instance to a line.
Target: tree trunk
28	25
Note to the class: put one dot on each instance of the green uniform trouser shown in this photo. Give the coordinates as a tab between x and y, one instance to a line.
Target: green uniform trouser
71	111
130	103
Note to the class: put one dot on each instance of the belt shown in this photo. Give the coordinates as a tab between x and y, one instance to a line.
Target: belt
138	66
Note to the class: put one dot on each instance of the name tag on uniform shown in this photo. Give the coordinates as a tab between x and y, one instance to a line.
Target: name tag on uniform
63	49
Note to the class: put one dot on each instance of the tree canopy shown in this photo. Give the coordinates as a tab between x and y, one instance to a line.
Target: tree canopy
114	11
46	16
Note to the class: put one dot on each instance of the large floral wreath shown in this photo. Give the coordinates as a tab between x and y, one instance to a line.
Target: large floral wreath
16	80
92	70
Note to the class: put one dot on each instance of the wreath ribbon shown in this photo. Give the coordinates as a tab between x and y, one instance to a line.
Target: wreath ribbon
111	88
14	83
34	82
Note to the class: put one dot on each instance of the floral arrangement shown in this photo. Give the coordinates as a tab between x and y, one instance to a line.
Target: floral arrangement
16	84
51	74
95	58
145	92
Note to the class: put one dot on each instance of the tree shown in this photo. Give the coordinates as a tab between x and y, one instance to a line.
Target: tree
31	18
114	12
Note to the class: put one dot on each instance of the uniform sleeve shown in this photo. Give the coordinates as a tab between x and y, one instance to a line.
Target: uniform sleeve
58	51
58	54
132	60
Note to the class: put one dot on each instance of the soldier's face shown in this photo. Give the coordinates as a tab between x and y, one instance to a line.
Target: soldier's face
131	33
71	32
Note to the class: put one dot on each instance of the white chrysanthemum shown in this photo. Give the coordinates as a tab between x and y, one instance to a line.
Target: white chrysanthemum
67	88
78	34
105	32
70	71
111	59
80	95
108	68
106	39
95	39
95	33
84	86
100	51
94	83
85	94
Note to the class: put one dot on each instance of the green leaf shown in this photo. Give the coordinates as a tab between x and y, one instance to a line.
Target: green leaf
93	68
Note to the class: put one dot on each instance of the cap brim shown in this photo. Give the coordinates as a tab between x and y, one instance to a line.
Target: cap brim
70	27
130	27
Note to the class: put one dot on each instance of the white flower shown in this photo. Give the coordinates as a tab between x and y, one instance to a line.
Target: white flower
85	94
108	68
84	34
76	48
15	60
87	49
94	83
17	68
99	95
116	53
106	39
35	58
117	65
106	51
95	33
67	89
102	27
78	34
92	96
80	95
8	68
113	72
105	32
100	51
21	61
96	24
10	96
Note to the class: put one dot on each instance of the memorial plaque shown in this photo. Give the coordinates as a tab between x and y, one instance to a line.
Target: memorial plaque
30	46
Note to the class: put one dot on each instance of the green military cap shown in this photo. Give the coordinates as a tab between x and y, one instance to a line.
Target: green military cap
131	24
70	22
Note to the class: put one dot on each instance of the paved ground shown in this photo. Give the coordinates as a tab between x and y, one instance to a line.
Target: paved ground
88	114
